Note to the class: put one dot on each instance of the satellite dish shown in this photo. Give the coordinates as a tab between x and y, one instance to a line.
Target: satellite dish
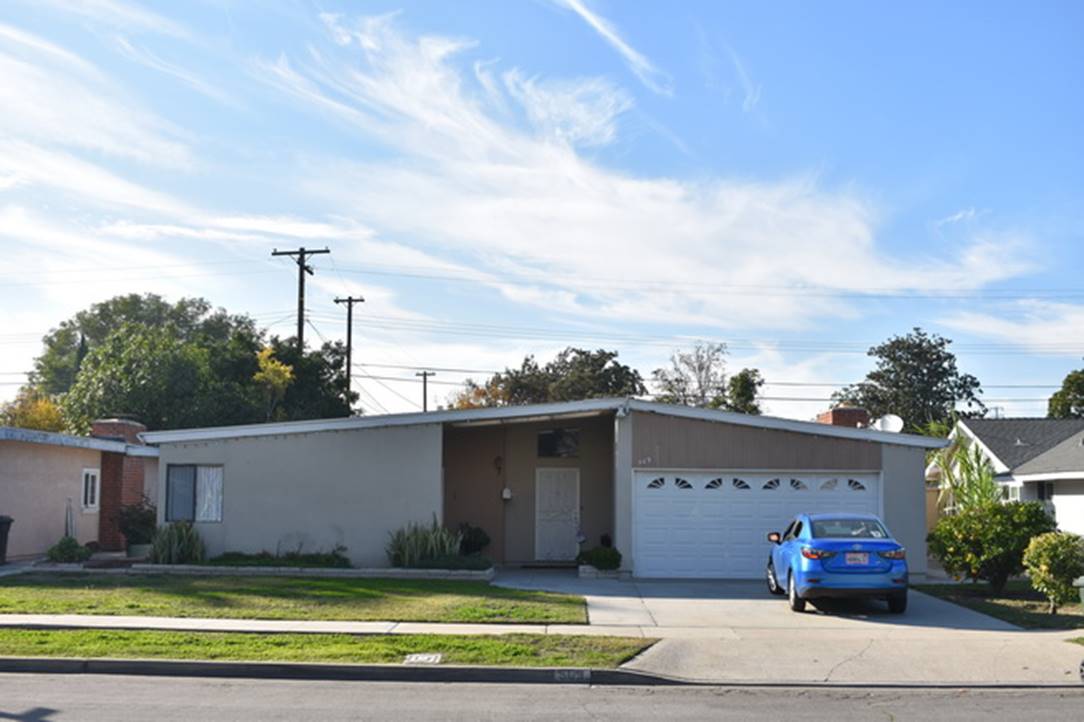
890	423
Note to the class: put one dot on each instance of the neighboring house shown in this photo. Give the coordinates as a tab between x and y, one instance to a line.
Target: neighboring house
1036	460
42	474
682	492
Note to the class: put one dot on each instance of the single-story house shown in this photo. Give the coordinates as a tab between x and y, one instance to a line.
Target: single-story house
681	492
44	474
1035	460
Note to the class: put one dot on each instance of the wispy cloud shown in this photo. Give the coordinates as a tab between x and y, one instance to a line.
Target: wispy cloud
750	89
1035	324
465	178
147	58
119	15
642	67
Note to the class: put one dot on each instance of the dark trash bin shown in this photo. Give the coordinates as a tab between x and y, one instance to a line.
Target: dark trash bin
5	525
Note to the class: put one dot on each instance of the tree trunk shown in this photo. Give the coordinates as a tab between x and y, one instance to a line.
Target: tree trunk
1053	607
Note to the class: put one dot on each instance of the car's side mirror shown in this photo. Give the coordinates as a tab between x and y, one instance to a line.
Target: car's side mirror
774	537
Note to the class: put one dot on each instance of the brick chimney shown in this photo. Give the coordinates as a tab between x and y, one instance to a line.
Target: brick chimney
121	478
849	416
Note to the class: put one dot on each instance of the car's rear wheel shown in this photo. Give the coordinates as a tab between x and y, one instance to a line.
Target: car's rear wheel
897	603
773	581
797	604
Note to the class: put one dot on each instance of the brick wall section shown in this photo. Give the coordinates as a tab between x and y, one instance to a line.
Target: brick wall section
844	416
121	479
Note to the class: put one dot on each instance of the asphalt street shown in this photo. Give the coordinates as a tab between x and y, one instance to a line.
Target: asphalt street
52	698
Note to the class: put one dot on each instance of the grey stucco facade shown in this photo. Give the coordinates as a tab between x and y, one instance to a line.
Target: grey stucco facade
315	491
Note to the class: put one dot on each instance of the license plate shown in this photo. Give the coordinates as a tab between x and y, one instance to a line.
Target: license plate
857	558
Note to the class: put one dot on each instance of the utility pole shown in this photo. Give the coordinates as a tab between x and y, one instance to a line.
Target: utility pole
425	387
349	301
302	269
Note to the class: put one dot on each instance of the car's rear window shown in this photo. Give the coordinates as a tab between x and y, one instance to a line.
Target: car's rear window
848	529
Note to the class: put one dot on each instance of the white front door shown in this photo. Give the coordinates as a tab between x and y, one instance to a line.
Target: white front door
715	523
556	514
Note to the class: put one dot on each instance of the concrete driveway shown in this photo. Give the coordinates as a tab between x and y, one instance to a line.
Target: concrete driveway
734	631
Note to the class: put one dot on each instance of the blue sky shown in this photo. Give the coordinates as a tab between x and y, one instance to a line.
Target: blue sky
501	178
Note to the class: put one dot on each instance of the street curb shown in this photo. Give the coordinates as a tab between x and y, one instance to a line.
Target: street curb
334	672
450	674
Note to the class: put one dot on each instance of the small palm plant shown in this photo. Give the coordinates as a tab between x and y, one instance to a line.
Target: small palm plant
967	477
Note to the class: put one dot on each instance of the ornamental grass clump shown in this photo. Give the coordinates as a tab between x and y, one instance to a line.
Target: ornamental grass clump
1053	561
416	543
178	543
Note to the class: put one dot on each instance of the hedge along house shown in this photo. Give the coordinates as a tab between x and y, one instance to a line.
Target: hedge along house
681	492
43	474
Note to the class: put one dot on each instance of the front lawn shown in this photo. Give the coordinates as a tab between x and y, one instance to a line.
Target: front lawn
518	650
285	598
1018	604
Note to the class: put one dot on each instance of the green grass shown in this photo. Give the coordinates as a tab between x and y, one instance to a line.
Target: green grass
1078	640
520	650
244	597
1018	604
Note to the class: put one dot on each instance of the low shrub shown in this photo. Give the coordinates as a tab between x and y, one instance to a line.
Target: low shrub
68	551
416	543
604	558
474	541
988	541
1053	561
474	562
137	522
177	543
334	559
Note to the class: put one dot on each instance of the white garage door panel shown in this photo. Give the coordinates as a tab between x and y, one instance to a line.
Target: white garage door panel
714	524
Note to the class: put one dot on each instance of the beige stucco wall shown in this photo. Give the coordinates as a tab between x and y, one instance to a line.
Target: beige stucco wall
473	483
904	501
36	481
150	479
668	442
318	490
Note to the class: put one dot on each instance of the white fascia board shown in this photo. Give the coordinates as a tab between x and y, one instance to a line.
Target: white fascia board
1000	467
1051	476
141	451
32	436
799	427
455	416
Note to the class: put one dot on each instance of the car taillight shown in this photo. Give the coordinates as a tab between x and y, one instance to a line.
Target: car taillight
812	553
900	553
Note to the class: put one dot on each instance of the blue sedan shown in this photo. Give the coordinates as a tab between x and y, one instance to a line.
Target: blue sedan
837	555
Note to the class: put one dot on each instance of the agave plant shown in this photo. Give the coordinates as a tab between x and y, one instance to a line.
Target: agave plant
414	543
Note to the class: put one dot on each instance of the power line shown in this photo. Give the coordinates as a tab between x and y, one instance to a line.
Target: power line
349	301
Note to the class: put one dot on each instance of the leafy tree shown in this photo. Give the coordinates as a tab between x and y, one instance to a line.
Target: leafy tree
274	377
573	375
695	378
1054	561
1068	401
68	344
319	380
988	541
917	379
32	409
143	371
742	390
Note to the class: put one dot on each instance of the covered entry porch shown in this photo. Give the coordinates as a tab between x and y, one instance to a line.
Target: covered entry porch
541	488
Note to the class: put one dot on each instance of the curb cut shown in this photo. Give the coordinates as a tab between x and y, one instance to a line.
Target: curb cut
334	672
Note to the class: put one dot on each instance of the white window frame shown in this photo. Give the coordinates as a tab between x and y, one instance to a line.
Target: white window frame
95	505
201	515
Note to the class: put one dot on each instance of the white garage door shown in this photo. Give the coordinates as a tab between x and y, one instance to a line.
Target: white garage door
714	524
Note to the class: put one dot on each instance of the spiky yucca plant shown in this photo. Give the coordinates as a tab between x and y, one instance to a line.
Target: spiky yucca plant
417	542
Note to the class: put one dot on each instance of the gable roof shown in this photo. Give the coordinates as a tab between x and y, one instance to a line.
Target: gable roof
50	438
1068	456
1020	441
507	414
